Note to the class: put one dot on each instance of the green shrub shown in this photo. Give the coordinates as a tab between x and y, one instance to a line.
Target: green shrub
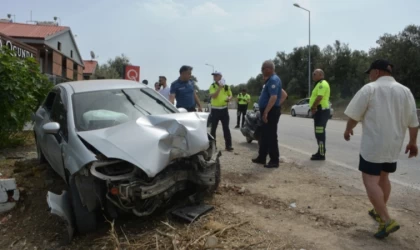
22	89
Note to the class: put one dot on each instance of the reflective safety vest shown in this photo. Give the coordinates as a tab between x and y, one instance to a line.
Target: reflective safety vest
220	100
243	99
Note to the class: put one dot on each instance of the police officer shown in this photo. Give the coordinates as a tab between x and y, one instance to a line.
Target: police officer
320	109
220	95
243	101
269	104
184	92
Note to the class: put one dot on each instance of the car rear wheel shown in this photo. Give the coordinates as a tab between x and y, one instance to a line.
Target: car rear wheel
293	113
86	221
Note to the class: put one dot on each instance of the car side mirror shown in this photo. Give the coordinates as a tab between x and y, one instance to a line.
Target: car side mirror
51	128
182	110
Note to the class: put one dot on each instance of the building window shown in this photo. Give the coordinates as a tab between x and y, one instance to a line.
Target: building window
59	46
71	53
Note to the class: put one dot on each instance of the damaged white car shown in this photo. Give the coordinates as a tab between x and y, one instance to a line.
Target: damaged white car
121	147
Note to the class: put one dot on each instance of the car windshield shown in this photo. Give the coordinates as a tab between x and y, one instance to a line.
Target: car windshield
107	108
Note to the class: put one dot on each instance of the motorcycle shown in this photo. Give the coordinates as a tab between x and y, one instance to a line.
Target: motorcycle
252	126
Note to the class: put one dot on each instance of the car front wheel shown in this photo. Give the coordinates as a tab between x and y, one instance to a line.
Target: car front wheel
293	113
40	156
85	221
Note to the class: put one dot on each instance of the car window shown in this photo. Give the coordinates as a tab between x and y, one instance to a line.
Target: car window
59	114
306	101
49	101
107	108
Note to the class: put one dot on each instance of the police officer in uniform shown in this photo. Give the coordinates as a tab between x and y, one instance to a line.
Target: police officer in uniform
243	101
220	95
320	109
269	103
183	91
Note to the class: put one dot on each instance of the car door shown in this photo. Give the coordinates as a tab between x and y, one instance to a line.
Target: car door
42	116
298	108
55	143
305	107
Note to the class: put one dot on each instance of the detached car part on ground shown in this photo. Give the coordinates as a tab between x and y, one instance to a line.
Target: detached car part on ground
121	147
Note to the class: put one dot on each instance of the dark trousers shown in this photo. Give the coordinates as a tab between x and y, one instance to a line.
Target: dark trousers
223	116
269	143
320	123
242	108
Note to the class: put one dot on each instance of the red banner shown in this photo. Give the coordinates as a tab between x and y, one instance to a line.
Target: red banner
132	73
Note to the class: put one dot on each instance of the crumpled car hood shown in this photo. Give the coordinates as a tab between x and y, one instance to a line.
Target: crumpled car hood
152	142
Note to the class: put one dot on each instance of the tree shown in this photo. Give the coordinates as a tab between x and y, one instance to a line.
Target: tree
113	69
344	68
22	89
106	72
118	64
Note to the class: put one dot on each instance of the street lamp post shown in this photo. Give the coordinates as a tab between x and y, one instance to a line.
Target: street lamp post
210	66
309	48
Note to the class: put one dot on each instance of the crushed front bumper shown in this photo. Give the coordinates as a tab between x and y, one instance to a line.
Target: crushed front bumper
142	195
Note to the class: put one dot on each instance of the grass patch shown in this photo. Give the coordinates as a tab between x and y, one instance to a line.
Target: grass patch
17	139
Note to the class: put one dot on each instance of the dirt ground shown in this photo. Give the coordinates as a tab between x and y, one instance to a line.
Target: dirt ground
293	207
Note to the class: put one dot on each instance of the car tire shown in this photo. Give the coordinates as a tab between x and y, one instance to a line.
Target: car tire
85	221
40	156
249	139
309	113
293	113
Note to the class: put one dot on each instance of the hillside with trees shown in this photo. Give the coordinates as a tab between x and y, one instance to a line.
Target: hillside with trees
344	68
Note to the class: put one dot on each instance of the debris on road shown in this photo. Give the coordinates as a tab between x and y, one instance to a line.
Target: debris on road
242	190
9	194
192	213
293	205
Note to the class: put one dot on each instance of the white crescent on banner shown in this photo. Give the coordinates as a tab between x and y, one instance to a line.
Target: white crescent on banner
132	74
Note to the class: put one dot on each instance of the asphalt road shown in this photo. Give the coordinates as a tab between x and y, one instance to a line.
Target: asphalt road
297	140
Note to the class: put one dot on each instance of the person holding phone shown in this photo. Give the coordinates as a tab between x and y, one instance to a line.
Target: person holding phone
220	95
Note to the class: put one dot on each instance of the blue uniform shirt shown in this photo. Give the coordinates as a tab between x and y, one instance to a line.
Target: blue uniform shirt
272	87
184	93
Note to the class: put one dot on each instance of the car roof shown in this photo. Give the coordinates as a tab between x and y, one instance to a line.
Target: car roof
102	84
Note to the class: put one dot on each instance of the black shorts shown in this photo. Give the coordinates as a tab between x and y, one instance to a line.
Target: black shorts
371	168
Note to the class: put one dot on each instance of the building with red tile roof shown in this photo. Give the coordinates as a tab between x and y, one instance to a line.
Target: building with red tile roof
58	53
90	68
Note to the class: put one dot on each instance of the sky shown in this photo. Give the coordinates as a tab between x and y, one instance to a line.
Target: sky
235	36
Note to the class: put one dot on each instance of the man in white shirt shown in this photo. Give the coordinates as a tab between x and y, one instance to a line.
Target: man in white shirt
164	89
386	109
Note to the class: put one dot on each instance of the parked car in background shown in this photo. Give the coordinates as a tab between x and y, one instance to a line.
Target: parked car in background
121	147
302	108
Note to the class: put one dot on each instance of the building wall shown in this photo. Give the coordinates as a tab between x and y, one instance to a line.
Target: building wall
67	45
79	73
69	70
57	61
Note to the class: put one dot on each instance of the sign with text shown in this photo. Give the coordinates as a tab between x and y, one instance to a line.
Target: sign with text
132	72
21	50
